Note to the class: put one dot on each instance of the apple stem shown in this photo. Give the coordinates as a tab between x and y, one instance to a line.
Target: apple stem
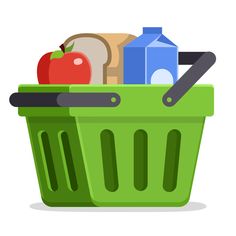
62	48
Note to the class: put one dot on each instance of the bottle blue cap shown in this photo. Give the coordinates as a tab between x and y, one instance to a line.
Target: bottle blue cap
152	30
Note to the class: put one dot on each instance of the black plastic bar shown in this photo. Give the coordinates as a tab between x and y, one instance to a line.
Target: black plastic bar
65	99
196	71
189	58
34	99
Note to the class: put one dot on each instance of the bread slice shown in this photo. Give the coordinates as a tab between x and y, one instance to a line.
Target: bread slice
115	67
96	49
105	53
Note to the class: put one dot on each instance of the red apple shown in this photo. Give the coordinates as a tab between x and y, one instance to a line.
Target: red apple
64	68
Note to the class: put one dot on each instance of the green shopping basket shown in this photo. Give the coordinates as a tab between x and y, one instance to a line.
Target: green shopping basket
118	145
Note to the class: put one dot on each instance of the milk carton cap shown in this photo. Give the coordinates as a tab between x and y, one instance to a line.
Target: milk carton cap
152	30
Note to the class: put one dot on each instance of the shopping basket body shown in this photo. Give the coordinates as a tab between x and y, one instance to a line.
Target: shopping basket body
139	153
133	151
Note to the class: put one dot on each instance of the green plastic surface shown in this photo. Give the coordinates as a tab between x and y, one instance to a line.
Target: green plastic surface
140	153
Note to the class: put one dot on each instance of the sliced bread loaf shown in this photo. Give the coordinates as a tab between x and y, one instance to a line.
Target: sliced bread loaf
105	53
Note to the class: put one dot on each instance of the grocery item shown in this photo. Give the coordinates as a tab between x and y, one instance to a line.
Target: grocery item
64	68
115	67
151	59
96	49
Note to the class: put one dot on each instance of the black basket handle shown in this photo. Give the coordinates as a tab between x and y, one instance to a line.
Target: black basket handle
201	62
65	99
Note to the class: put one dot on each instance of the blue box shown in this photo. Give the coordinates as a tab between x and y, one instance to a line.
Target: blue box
151	59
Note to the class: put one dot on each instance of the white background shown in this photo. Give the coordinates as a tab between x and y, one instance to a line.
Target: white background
29	29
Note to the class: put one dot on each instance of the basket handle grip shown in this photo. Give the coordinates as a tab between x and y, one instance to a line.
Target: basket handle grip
65	99
201	62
